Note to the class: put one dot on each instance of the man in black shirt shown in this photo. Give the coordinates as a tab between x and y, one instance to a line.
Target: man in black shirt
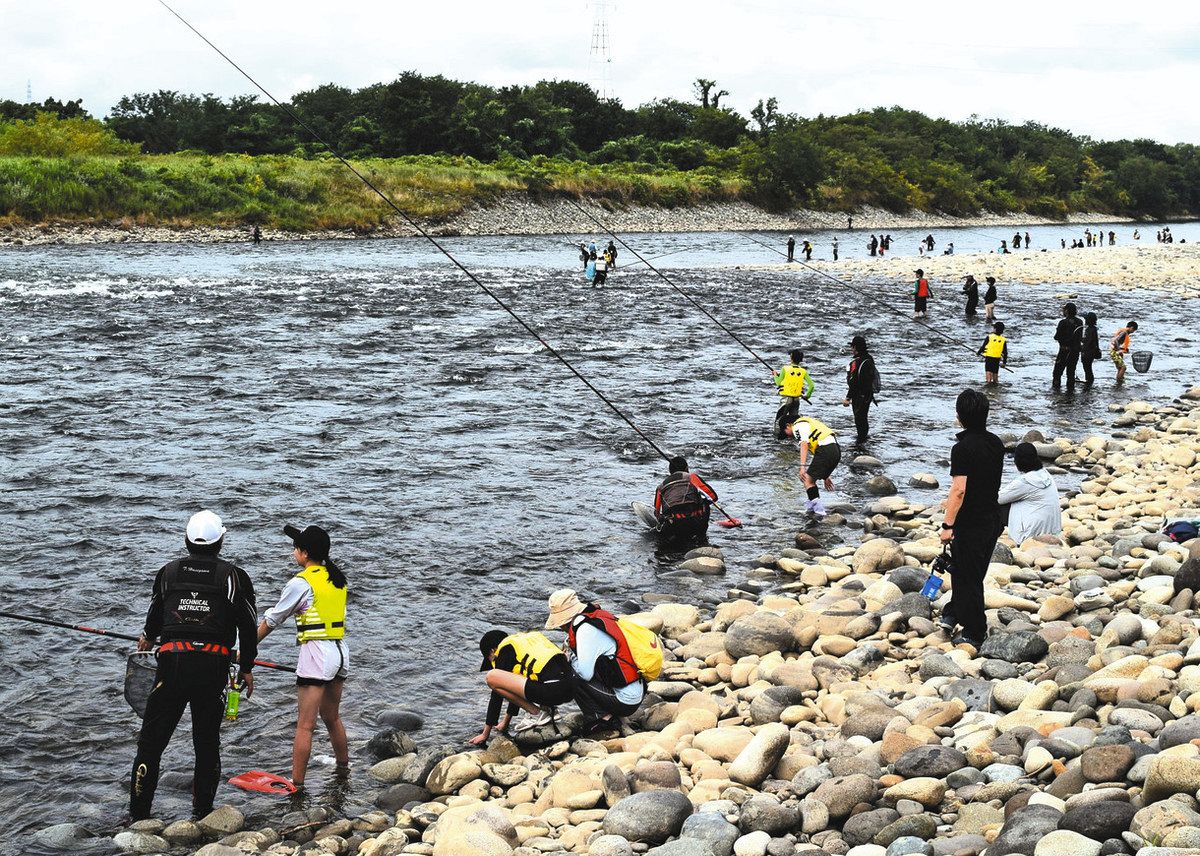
860	385
972	522
1069	336
200	608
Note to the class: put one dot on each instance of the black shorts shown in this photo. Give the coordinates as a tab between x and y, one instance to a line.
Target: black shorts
316	682
824	461
919	303
549	693
991	365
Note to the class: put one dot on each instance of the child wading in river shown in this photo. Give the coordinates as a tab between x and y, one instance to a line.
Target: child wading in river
994	351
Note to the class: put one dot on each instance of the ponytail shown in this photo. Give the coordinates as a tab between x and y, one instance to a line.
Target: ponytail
335	574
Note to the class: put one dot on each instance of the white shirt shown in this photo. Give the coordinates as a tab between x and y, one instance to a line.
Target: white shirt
1034	508
320	659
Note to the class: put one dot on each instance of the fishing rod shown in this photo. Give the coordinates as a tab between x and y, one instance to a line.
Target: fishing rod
729	521
83	628
869	296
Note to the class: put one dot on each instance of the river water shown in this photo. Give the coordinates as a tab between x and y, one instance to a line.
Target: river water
463	474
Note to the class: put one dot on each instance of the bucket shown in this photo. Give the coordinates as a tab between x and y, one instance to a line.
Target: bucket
140	668
932	586
1142	360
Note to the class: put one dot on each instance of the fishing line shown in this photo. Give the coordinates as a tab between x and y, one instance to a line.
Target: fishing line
868	295
420	231
731	521
668	281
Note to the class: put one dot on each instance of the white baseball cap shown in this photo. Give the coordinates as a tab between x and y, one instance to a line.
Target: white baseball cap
204	527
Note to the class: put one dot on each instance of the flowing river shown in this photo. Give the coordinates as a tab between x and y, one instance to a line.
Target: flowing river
462	472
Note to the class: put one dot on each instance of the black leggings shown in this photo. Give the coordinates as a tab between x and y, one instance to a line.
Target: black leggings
182	680
1088	377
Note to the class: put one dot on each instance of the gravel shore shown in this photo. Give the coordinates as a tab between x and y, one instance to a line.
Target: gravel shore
819	710
1173	268
520	215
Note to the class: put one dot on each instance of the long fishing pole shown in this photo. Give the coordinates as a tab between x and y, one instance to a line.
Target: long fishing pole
83	628
437	244
868	296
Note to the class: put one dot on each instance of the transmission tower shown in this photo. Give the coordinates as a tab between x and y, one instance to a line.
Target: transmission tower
28	91
600	58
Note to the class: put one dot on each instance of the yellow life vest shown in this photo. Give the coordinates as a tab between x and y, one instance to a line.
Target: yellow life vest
792	380
533	652
325	617
817	432
994	346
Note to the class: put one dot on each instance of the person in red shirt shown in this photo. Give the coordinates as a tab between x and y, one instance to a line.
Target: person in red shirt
921	294
681	503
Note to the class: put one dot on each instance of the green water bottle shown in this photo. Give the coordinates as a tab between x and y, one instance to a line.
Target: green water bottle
232	700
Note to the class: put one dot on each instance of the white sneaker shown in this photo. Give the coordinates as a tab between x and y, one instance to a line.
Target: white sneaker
808	506
818	508
530	722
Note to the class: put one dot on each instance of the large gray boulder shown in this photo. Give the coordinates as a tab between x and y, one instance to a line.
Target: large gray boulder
651	817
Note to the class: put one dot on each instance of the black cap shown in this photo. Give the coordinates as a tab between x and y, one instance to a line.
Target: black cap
312	540
919	272
490	641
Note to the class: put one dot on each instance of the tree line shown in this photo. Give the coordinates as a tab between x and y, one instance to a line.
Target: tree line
891	158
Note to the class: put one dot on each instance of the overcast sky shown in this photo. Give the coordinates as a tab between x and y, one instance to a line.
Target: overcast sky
1103	68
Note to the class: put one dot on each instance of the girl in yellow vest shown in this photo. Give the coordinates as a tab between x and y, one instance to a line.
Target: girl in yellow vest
528	670
994	351
794	383
819	456
317	598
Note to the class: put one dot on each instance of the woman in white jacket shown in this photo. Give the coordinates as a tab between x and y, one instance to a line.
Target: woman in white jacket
1031	497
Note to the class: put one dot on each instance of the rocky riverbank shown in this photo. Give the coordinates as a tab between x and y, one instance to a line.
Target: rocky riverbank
1173	268
518	214
820	710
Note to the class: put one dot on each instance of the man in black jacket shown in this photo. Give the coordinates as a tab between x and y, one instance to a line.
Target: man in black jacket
860	385
1069	336
200	608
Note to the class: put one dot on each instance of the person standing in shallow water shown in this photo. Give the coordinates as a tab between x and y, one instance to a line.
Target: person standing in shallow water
971	524
860	386
921	294
1069	335
200	608
1089	352
791	247
971	290
835	249
316	596
989	298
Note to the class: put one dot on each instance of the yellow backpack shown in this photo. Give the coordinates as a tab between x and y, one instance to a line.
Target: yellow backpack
645	646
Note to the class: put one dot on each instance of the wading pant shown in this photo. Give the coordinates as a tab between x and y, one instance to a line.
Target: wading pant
1088	377
972	305
596	700
788	412
687	531
862	409
1066	361
182	680
974	541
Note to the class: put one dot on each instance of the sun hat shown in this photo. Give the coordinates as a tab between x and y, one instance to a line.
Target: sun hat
564	605
204	527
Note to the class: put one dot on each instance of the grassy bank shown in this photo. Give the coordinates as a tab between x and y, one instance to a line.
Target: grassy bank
305	194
